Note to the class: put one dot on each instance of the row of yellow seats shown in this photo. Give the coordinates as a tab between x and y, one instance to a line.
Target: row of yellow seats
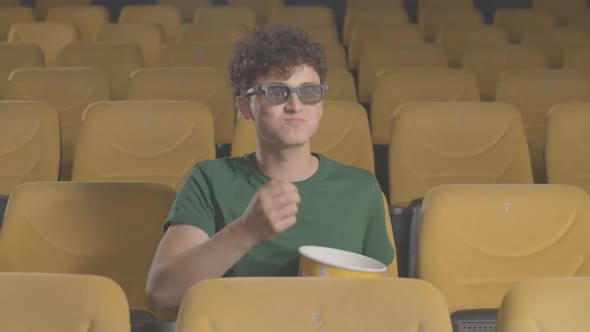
71	90
88	20
261	8
334	305
120	59
430	143
186	7
474	243
486	63
433	14
534	92
52	37
390	12
456	30
169	17
453	43
562	11
516	22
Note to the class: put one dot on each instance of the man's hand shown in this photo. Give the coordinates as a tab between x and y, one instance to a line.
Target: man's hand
271	211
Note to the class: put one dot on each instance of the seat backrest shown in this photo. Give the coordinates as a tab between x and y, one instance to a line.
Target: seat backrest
567	142
580	19
562	9
517	21
456	40
118	60
343	135
226	15
367	4
10	3
51	37
11	15
148	36
325	34
398	86
487	62
186	8
61	302
394	15
476	241
335	56
364	36
577	58
18	55
87	19
296	304
341	85
302	15
69	90
156	141
556	304
553	43
261	8
42	7
376	58
166	16
447	4
207	85
446	143
29	139
245	137
211	32
431	21
110	229
534	92
196	54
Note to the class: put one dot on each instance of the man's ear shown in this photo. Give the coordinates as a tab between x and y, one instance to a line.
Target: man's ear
244	107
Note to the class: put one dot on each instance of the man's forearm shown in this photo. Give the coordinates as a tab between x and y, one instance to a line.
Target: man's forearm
171	279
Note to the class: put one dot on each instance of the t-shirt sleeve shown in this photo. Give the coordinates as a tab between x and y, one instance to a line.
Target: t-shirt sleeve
193	203
376	243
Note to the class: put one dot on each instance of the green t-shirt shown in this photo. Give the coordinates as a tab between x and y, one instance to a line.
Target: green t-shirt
341	207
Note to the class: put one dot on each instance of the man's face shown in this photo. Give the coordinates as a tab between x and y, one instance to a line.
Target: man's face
291	123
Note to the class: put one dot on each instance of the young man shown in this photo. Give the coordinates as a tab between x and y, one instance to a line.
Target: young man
248	216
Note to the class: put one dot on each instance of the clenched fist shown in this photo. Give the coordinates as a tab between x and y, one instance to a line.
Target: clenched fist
271	211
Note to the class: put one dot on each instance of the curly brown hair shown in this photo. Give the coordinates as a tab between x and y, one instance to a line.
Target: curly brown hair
273	47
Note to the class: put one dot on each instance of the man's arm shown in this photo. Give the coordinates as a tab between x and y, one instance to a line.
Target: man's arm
186	254
377	243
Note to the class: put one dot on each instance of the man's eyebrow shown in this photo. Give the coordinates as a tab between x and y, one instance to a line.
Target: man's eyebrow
314	83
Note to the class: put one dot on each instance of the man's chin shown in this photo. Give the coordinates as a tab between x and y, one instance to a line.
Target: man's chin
293	143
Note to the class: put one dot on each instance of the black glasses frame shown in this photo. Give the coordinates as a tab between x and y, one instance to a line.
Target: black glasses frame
291	90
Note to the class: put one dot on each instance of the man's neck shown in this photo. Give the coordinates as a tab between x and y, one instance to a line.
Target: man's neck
291	165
